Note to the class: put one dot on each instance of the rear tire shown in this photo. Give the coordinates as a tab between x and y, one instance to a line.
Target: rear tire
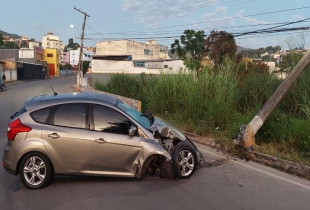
35	170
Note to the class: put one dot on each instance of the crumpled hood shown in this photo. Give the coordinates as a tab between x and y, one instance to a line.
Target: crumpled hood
166	129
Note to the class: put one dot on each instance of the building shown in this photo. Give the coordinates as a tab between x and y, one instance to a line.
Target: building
139	51
50	41
75	54
32	45
104	66
66	57
51	56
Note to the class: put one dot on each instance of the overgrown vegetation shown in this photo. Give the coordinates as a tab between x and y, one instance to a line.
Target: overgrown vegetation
223	97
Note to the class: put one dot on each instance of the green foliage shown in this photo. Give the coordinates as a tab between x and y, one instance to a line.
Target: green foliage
218	102
67	66
190	48
289	61
1	40
220	45
85	66
256	53
72	45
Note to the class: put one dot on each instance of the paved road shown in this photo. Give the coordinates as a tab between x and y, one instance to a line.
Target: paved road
233	185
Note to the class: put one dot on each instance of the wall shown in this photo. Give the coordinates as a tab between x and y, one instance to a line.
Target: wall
32	45
11	75
102	69
66	57
128	47
9	54
38	54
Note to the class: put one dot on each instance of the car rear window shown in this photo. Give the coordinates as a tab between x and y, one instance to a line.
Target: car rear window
40	116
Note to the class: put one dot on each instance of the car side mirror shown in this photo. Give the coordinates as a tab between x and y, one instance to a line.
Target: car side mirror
132	130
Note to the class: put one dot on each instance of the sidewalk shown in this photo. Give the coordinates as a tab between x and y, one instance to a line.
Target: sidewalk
14	83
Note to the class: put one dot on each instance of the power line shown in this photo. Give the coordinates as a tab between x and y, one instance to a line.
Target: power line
176	9
164	17
239	17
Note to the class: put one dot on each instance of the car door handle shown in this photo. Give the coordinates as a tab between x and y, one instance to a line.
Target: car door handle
54	136
100	141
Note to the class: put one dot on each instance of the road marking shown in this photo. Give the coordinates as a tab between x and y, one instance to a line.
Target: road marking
261	171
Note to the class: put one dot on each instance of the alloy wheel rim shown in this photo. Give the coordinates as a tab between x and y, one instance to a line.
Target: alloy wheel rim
186	162
34	171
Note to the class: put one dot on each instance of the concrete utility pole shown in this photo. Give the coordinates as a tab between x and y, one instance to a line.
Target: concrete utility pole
246	139
81	48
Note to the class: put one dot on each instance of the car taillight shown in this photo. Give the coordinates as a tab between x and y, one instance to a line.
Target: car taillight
16	127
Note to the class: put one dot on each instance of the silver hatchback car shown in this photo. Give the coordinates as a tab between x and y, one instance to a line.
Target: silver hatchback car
93	134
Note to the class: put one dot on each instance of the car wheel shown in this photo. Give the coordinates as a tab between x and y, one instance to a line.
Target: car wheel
35	170
187	160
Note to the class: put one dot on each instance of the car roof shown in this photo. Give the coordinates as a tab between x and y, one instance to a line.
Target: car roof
75	96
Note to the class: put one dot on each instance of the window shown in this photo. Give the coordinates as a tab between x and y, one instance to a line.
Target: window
40	116
50	55
71	115
109	120
148	52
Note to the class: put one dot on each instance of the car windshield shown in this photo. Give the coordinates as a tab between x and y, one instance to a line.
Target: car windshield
135	114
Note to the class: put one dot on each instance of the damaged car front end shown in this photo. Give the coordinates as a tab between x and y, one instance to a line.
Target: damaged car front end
168	152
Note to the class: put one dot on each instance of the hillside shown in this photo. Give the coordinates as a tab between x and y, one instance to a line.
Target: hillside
8	34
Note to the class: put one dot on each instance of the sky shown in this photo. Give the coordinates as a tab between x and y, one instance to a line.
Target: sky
162	20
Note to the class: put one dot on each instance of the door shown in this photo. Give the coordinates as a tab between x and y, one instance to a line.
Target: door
112	150
51	69
66	138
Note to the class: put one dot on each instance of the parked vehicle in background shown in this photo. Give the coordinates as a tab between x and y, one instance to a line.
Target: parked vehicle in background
93	134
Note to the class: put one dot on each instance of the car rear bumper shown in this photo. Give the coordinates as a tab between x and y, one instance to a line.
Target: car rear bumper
10	159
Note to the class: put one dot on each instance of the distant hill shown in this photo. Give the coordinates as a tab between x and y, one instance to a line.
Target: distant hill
240	49
8	34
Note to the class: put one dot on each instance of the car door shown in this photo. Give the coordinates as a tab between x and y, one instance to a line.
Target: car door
112	150
66	137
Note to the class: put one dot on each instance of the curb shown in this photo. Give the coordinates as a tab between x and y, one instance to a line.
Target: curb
274	162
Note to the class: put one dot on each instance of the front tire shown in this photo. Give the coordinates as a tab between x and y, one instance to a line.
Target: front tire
35	170
187	158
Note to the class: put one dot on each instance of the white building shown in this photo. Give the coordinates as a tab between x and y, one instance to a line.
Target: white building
75	54
50	41
33	44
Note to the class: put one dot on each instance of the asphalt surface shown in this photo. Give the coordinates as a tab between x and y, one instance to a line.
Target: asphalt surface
228	184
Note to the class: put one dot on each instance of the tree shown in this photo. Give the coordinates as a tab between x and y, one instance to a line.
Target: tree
32	40
85	66
219	45
289	61
190	48
1	40
67	66
72	45
10	45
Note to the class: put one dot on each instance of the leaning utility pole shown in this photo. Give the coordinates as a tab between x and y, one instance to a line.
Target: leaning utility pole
247	139
81	48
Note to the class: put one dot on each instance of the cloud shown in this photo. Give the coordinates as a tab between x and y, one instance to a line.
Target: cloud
220	11
161	10
298	17
249	19
217	18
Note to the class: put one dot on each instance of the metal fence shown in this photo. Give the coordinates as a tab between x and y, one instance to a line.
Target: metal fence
65	72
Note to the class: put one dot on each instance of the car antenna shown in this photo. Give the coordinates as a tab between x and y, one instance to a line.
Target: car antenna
55	94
